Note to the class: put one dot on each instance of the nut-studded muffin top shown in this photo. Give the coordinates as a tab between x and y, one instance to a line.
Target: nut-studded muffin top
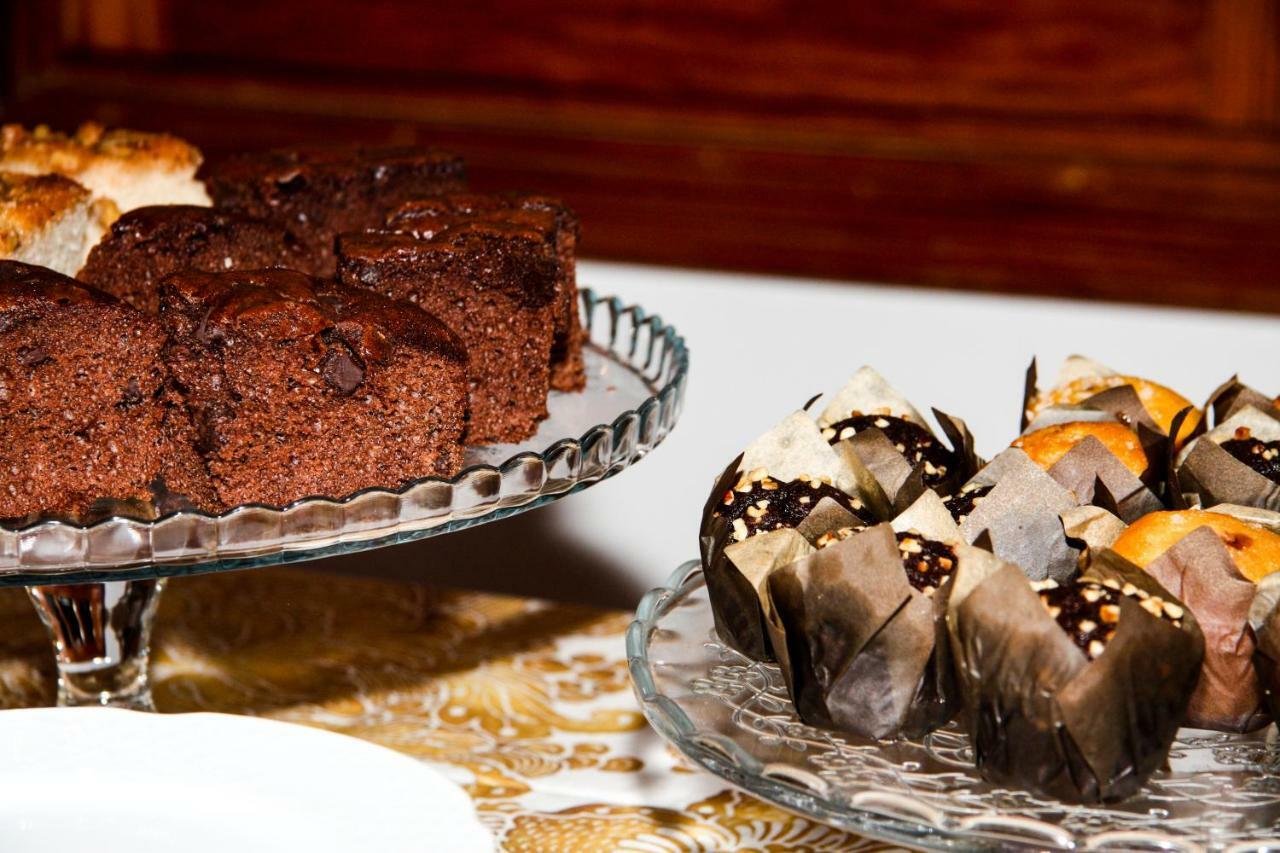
1089	611
1261	456
758	503
963	502
927	562
913	441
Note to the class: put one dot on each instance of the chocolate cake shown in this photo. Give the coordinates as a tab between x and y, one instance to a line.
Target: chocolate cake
85	415
534	215
148	243
319	193
496	289
300	387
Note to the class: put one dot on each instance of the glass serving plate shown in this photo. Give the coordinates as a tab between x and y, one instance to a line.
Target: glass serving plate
732	716
95	585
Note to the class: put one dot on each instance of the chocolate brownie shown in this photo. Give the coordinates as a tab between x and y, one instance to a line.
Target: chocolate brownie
319	193
146	244
300	387
532	214
85	414
496	290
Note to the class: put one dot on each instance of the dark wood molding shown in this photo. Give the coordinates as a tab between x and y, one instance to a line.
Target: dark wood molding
1087	148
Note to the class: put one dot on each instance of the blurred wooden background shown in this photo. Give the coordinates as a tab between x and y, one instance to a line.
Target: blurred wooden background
1083	147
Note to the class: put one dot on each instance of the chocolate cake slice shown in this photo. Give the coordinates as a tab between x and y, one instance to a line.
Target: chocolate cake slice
85	414
146	244
528	214
496	290
319	193
300	387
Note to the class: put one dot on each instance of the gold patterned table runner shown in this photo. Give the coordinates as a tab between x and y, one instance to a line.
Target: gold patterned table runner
525	703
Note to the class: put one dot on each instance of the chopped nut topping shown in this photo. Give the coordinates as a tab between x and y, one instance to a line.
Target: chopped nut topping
913	441
766	504
1261	456
1089	611
927	562
962	503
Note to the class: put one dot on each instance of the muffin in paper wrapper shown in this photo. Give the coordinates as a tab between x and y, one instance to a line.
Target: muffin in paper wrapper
1122	402
1040	714
1093	474
886	478
865	651
735	571
1208	475
1200	571
1264	612
1019	520
738	571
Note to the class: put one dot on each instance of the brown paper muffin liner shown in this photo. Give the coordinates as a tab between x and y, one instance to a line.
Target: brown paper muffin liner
1019	520
865	652
1041	714
1207	475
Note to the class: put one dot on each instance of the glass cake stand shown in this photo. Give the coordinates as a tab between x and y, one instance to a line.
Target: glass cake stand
96	586
732	716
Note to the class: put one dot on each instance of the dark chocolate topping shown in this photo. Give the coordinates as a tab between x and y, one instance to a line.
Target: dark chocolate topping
25	288
286	305
1089	611
962	503
927	562
760	504
1261	456
913	441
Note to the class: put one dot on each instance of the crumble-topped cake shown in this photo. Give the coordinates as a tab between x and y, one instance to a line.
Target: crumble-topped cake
496	289
84	409
300	387
534	214
127	167
319	193
147	244
47	220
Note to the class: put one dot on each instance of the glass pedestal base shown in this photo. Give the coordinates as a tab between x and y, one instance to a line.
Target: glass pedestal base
101	634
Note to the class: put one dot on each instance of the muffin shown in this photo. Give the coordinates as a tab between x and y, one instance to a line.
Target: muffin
1048	445
1083	382
1040	664
1213	562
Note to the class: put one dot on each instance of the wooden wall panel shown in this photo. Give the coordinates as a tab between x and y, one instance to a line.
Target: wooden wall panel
1126	151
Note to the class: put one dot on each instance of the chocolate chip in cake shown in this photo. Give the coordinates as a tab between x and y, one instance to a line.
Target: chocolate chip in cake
341	370
33	356
1090	612
962	504
1261	456
913	441
927	562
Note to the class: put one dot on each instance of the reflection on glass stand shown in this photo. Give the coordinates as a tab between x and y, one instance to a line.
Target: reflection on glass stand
101	635
96	586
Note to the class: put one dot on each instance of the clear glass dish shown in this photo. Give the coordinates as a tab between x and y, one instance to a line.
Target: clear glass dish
732	716
95	585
